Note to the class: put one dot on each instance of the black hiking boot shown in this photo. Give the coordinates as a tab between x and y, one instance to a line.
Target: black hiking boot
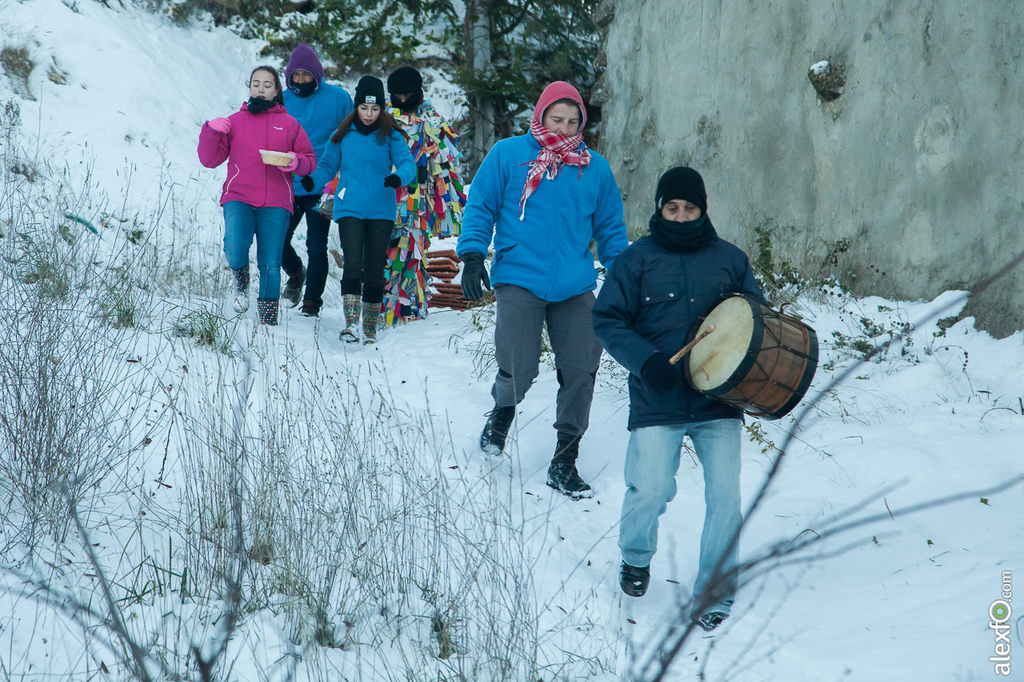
492	440
310	308
562	474
711	620
634	579
293	288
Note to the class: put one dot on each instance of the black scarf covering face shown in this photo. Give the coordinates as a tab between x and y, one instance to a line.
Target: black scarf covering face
411	104
680	237
257	105
304	89
406	80
363	128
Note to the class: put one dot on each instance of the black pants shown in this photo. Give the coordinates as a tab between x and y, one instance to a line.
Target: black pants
318	228
364	244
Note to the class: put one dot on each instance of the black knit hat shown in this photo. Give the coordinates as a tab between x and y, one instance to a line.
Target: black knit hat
370	90
681	183
405	80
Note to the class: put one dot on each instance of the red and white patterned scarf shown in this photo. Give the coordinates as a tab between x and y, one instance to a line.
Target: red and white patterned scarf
555	152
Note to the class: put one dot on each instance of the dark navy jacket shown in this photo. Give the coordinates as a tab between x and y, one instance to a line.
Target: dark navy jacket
649	303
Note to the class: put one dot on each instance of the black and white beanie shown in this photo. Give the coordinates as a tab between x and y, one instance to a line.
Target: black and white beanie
370	90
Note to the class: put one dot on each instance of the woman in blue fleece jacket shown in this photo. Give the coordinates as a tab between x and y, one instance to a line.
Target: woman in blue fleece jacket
543	197
371	156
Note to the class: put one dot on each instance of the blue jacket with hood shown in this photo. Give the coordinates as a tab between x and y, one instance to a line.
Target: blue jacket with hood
548	251
320	113
362	162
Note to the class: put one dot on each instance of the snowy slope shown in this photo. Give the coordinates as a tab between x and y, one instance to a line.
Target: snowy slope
907	598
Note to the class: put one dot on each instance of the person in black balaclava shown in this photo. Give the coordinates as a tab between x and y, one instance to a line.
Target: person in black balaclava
405	85
653	296
430	206
681	221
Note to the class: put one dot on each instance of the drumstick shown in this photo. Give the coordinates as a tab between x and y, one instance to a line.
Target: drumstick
688	347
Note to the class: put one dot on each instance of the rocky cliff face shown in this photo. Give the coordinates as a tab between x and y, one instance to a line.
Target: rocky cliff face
895	125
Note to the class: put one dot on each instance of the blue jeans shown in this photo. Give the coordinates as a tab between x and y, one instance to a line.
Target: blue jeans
269	224
652	459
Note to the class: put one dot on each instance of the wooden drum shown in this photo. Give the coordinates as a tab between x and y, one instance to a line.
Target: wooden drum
756	359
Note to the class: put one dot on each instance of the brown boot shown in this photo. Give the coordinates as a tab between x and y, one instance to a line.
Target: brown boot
241	301
293	287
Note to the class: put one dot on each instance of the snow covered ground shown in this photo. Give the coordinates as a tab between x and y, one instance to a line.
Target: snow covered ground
901	596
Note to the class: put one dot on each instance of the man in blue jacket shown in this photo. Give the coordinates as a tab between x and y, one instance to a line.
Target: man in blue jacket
319	107
543	197
653	297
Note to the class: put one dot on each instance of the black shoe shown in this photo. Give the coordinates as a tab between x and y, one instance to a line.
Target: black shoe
293	288
499	420
310	308
711	620
562	474
634	579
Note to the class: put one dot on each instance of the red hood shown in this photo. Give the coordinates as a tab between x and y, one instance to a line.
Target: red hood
554	92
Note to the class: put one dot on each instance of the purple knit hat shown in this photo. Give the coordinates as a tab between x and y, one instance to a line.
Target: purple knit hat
304	58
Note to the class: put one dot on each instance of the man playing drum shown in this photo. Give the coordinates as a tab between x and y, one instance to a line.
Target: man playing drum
655	292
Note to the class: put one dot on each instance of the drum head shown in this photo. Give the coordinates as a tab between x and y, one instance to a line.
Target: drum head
714	359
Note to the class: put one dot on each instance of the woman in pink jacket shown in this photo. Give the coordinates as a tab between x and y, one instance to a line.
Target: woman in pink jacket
257	197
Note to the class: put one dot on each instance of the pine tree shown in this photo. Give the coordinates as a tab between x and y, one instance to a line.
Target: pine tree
513	49
359	36
502	52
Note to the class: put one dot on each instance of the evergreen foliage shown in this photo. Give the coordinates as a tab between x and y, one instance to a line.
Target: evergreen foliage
358	36
532	44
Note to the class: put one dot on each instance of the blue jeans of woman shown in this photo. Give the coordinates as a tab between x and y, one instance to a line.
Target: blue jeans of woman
268	224
652	460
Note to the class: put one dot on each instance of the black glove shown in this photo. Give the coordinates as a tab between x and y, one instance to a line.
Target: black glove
659	373
307	183
393	181
474	276
397	233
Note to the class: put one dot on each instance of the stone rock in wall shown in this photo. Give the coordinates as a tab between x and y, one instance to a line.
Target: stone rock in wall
908	143
828	79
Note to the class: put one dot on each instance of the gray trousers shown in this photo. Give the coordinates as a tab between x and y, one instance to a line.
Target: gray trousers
517	344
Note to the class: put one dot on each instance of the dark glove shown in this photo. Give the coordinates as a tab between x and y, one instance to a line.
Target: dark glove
307	183
393	181
474	276
397	233
659	373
